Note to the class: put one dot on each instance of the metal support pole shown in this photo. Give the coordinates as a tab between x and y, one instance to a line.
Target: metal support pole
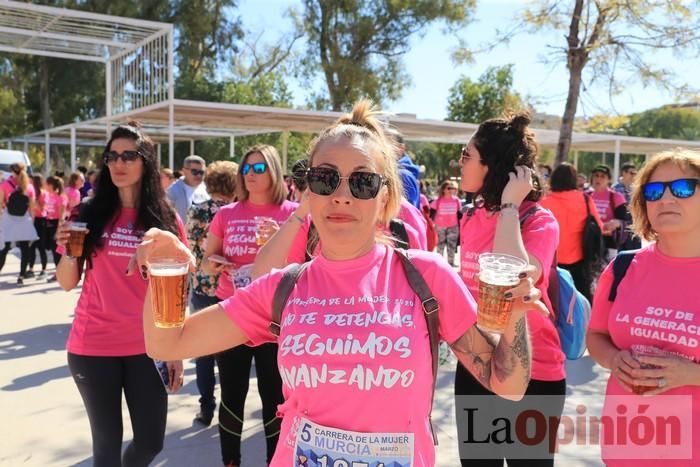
232	147
108	95
171	103
160	159
72	149
26	147
616	163
47	154
192	147
285	147
576	159
9	145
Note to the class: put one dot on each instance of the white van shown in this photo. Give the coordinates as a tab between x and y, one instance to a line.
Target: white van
7	158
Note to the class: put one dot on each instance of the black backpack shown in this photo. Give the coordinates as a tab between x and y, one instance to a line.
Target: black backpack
18	202
430	305
594	250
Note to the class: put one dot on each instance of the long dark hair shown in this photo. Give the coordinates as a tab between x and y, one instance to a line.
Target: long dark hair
38	182
153	207
564	178
504	143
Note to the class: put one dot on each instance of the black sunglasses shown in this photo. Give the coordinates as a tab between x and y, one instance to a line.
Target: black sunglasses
197	172
681	188
325	181
110	157
258	168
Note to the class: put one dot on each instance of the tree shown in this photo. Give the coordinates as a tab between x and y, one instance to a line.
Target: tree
607	38
488	97
667	122
358	44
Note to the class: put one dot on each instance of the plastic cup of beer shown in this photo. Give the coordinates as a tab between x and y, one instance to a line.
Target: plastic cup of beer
76	239
498	273
260	238
168	291
639	350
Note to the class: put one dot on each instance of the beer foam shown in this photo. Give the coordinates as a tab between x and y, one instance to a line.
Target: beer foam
78	229
168	271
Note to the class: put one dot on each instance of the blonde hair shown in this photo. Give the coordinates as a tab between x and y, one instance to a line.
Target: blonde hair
362	124
21	178
221	178
446	184
685	159
274	168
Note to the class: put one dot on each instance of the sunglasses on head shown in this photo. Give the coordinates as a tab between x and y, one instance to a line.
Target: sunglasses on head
258	168
110	157
681	188
325	181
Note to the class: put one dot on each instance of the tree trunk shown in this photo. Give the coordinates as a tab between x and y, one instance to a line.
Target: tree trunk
567	121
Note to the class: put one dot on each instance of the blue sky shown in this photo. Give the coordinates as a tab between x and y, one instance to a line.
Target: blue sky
433	73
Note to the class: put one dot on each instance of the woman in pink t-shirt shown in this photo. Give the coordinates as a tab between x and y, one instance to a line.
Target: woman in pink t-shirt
75	183
106	349
498	166
56	209
16	219
656	311
42	243
354	349
233	234
444	212
612	208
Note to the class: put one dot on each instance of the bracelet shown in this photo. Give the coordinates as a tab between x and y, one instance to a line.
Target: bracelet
514	206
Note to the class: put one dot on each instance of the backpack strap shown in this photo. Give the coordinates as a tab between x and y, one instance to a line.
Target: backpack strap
621	264
431	308
284	288
399	233
587	201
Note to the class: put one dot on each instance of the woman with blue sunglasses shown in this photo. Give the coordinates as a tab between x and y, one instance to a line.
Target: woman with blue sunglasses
648	334
233	241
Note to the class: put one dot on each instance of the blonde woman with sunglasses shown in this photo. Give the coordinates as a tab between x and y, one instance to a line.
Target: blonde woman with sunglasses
356	382
648	332
233	241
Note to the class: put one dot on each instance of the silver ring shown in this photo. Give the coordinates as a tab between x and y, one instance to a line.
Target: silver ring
662	382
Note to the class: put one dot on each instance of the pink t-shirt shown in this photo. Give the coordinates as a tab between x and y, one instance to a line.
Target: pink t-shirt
415	224
359	326
40	206
73	195
446	209
235	225
109	315
657	304
424	203
602	203
54	202
540	234
9	185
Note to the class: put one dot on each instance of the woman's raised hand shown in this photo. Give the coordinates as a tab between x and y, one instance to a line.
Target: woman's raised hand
158	243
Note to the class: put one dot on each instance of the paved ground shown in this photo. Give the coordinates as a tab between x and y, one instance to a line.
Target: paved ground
44	424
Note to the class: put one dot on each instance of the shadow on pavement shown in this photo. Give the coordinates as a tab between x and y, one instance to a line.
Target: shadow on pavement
37	379
33	341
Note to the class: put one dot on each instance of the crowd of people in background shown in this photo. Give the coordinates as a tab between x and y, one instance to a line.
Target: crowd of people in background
347	211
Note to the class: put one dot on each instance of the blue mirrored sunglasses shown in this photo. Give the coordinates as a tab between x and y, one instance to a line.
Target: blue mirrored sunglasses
681	188
258	168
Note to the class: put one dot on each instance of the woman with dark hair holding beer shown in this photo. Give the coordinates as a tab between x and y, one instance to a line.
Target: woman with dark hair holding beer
106	349
498	167
235	234
348	375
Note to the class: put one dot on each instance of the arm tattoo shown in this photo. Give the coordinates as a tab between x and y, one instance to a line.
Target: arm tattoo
477	363
503	360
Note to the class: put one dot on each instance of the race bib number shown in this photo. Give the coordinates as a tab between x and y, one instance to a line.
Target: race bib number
320	446
241	276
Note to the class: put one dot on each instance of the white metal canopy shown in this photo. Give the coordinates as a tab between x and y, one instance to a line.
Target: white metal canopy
58	32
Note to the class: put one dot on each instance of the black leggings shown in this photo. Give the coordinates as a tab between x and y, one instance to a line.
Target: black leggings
234	377
101	381
24	256
582	275
467	385
51	228
41	244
